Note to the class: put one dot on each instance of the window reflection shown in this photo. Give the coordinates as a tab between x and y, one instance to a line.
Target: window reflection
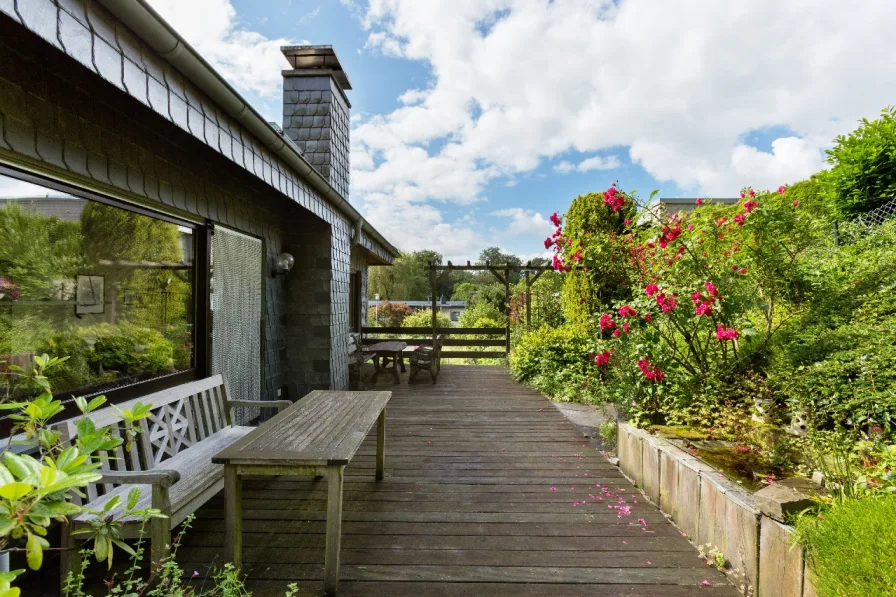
109	288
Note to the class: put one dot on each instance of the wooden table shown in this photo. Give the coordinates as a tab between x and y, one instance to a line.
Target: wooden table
385	350
317	435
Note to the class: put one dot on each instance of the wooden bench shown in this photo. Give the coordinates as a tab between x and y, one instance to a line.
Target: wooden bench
318	435
170	460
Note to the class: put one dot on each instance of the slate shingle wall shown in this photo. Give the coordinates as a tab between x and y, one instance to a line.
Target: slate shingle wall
316	117
124	120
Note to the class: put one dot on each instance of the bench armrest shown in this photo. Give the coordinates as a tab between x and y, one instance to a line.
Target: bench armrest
278	404
160	477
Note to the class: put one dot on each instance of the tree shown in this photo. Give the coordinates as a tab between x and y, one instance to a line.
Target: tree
863	166
407	280
463	291
592	221
496	257
388	314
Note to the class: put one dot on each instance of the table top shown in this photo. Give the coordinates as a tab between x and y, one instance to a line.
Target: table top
388	346
323	428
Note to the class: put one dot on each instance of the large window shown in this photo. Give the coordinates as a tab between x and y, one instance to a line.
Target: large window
110	288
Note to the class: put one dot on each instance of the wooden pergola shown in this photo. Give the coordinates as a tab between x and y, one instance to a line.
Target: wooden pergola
502	274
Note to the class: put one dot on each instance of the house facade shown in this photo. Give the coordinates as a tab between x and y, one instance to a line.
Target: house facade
450	309
173	232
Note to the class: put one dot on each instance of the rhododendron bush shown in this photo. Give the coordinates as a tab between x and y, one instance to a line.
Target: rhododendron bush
704	294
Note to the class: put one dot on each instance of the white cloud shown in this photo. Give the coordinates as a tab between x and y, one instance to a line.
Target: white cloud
247	59
309	16
589	164
677	82
524	221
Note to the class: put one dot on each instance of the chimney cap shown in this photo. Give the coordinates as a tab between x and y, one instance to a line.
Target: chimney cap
316	60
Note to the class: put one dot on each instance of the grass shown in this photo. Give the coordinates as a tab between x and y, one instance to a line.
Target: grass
852	548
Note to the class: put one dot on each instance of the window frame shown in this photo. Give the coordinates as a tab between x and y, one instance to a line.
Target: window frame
201	271
355	301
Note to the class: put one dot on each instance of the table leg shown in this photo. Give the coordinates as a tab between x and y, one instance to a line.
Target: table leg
233	515
334	528
380	445
401	360
395	358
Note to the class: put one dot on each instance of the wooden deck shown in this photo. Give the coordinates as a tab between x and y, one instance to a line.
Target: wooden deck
482	480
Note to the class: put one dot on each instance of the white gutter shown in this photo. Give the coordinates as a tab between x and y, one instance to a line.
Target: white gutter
144	21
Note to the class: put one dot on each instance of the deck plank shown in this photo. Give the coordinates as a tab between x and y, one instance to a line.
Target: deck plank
466	508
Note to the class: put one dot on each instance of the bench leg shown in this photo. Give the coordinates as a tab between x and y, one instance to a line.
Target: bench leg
69	557
233	515
380	445
160	528
334	528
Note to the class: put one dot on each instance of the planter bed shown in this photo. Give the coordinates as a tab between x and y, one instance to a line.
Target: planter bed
710	508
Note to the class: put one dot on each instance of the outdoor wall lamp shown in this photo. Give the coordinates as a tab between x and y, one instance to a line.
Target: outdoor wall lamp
282	265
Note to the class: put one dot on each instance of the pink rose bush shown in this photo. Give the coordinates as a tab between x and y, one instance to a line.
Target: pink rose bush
706	290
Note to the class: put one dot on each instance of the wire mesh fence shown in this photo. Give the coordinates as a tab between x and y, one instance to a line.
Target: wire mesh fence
880	215
865	224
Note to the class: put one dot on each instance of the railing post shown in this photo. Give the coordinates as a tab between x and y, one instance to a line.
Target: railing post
432	277
507	309
528	302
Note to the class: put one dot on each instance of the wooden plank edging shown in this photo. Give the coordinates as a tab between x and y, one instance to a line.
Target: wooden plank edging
726	514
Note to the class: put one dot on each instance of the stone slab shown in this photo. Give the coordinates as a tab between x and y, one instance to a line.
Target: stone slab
780	563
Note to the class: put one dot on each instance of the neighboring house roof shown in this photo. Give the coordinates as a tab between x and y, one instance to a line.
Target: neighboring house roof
456	304
149	26
675	204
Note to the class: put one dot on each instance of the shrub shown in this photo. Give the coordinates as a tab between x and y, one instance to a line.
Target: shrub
863	166
389	314
709	291
851	548
554	361
591	220
423	319
129	349
75	372
835	361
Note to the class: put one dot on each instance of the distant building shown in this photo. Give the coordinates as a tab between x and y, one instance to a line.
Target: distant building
451	309
676	204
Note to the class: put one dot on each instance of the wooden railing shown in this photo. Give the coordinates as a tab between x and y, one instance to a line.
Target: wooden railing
423	337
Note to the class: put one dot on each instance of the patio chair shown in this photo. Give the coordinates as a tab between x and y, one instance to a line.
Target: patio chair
427	358
357	356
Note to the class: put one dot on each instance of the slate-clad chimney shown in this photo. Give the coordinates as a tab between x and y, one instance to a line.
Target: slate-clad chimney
316	110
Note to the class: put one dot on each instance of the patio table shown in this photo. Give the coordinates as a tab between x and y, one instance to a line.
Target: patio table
392	349
318	435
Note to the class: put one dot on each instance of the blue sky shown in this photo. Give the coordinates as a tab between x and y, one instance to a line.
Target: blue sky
474	120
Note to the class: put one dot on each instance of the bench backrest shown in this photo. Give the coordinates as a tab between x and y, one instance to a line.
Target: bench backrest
180	417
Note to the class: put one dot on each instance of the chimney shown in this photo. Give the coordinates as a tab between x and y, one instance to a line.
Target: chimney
316	111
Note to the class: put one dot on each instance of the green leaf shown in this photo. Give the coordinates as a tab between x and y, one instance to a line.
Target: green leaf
70	481
5	475
112	504
34	550
124	546
133	498
22	465
15	491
